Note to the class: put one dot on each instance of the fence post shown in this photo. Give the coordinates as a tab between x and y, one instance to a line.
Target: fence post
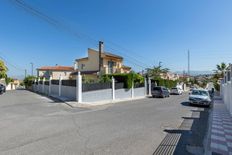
113	88
43	85
38	86
149	85
60	85
132	89
230	96
79	88
34	86
221	91
50	85
145	86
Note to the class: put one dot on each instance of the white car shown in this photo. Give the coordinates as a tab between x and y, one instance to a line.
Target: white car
200	97
176	91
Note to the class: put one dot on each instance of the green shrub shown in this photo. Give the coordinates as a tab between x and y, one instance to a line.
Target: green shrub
28	81
165	82
125	78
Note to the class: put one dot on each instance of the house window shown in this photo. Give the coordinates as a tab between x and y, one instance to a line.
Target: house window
82	66
111	65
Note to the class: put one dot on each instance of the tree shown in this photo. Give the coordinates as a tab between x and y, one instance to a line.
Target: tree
157	71
219	73
8	80
28	81
221	68
3	70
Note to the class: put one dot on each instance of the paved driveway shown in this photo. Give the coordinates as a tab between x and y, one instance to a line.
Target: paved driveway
33	124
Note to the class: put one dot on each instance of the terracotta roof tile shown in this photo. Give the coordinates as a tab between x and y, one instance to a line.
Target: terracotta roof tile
57	68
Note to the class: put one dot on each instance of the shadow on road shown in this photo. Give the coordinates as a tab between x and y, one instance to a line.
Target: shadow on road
53	99
189	137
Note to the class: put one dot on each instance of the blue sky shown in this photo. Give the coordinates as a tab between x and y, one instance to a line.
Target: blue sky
146	30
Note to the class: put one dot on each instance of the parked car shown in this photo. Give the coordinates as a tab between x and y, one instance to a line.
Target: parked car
160	92
2	88
176	91
200	97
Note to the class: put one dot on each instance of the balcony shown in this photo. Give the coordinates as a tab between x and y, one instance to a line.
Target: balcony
107	70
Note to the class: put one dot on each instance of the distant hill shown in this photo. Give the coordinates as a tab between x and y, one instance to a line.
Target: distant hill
194	73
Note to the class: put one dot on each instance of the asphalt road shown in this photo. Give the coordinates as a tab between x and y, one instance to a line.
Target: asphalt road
33	124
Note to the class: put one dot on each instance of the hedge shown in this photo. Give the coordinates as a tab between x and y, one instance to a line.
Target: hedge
125	78
165	82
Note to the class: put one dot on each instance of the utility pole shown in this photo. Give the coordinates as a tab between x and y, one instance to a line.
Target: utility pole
25	73
32	68
188	63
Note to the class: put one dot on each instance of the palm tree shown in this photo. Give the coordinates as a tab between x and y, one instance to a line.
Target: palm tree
221	68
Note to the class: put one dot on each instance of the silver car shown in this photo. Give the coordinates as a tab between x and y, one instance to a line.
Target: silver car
200	97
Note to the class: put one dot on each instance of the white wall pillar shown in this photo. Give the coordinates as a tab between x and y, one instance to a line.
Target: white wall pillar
50	85
60	85
79	88
43	85
34	85
38	86
230	87
149	86
145	86
132	90
228	95
113	88
221	91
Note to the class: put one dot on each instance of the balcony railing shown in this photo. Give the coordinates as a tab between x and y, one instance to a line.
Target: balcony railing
107	70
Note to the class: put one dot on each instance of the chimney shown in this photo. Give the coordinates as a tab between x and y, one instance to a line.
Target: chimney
100	52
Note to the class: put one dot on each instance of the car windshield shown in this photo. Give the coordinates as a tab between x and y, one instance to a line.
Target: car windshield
157	88
200	92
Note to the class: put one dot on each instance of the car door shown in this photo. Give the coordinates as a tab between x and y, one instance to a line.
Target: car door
165	90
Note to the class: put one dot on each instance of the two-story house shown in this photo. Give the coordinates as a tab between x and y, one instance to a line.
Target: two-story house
101	63
55	72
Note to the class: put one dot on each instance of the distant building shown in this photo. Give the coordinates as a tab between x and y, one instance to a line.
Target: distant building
13	85
55	72
169	76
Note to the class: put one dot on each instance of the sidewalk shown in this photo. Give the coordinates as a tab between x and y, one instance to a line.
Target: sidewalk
221	129
75	104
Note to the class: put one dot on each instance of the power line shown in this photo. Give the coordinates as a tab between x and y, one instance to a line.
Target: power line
125	49
12	65
57	24
52	21
130	57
